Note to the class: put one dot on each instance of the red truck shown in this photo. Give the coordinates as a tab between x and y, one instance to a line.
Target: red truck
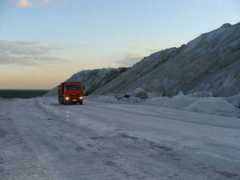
70	92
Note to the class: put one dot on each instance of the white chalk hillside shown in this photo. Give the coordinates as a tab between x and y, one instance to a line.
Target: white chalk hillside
210	63
93	79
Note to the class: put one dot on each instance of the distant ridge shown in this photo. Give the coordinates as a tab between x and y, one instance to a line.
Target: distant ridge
22	93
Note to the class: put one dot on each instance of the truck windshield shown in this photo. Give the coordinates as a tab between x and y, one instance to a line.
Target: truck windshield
73	87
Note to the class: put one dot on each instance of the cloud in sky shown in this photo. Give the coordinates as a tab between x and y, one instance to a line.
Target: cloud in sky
26	53
24	4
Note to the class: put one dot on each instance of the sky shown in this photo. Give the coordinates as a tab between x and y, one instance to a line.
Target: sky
43	42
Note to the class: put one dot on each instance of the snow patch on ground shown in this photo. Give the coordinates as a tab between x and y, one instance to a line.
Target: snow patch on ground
178	102
209	105
234	100
212	105
116	99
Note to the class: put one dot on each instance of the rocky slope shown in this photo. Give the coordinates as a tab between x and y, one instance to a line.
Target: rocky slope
93	79
211	63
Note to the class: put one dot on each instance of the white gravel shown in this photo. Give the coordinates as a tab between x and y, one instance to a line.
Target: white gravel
41	140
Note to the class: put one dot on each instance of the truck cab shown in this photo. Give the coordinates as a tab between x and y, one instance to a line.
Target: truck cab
70	93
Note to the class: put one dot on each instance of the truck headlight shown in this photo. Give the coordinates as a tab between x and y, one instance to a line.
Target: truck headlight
67	98
81	97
